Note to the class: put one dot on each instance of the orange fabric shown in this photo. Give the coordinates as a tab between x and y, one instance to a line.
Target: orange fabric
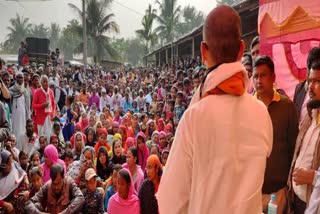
235	85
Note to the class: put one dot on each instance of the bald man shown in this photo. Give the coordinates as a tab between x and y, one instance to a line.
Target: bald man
218	157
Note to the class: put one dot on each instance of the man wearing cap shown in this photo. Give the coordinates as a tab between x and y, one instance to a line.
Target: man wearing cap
19	107
92	195
58	195
105	100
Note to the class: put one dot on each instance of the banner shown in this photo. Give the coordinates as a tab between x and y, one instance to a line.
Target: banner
288	30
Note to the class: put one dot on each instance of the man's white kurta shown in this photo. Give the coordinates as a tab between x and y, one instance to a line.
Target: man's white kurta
218	158
19	118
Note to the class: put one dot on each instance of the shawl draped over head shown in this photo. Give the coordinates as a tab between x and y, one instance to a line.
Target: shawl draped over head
75	166
130	142
169	128
17	91
10	182
84	123
52	153
160	125
75	141
142	155
118	205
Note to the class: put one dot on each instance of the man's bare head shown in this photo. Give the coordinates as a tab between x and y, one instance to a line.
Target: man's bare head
222	37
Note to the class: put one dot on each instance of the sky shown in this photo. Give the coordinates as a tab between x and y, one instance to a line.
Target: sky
128	13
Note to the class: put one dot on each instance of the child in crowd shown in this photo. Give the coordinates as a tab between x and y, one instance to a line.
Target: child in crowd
93	197
67	157
35	177
43	143
23	160
179	108
102	141
111	190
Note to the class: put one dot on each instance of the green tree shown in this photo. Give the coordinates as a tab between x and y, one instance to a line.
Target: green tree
99	23
71	37
147	33
40	31
227	2
19	29
135	51
54	35
168	19
121	45
191	18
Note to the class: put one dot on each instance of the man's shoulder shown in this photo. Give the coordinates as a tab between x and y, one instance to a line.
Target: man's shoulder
284	100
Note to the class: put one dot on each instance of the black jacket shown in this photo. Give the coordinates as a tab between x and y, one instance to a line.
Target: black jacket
299	95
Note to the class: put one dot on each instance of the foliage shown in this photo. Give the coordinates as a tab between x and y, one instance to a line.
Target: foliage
71	37
98	24
227	2
168	19
147	33
54	35
191	19
39	31
19	29
130	50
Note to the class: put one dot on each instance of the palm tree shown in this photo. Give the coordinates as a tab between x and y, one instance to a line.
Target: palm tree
40	31
19	29
147	33
98	24
54	35
168	19
70	41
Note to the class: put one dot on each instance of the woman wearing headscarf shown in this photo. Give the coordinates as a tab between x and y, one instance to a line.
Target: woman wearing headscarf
130	142
50	157
154	139
84	121
104	168
143	151
160	125
149	187
78	146
163	143
151	127
13	185
126	199
132	165
78	168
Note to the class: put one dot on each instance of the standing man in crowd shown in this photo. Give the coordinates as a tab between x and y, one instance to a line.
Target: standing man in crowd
19	107
4	126
219	138
306	159
44	105
285	130
301	97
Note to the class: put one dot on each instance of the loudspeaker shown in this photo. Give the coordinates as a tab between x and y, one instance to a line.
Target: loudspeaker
37	45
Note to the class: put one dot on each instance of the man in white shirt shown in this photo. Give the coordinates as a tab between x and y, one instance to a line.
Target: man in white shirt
218	158
29	140
105	99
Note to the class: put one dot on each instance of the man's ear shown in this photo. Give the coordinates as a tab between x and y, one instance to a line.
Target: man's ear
204	51
241	50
